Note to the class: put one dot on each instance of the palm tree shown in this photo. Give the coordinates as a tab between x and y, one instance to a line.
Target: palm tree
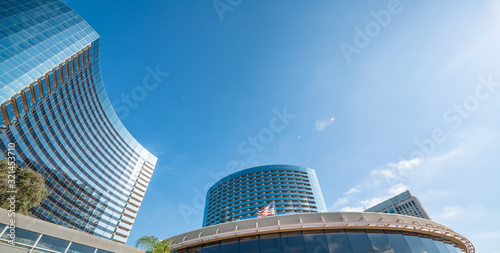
153	245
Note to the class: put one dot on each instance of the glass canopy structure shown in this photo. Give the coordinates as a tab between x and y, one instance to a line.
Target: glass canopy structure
336	232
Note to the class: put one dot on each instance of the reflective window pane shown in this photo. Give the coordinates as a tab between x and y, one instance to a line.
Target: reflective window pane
229	246
337	242
103	251
292	242
79	248
21	236
442	247
211	248
249	244
2	226
415	244
380	243
453	249
51	243
315	242
270	243
194	250
429	245
399	243
359	242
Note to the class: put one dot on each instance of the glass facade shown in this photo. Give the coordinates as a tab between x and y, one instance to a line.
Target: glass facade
43	243
404	203
57	117
330	241
294	189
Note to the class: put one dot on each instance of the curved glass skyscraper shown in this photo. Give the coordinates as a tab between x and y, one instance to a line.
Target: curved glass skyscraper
294	189
58	120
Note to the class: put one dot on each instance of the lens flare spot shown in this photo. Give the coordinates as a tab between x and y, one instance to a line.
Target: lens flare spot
321	124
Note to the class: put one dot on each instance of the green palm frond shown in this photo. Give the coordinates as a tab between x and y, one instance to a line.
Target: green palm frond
154	245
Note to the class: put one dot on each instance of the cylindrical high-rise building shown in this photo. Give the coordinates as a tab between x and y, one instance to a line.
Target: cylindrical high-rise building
294	189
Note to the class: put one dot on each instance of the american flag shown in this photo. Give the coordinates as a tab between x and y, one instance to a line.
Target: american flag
267	210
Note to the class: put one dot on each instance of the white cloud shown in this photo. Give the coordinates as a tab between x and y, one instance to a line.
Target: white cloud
353	190
386	173
450	212
339	202
404	167
352	209
397	171
397	189
367	203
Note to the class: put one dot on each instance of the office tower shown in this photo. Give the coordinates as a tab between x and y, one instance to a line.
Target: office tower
58	119
324	233
404	203
241	195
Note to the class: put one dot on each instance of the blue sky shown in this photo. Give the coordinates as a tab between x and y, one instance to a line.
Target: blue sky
413	88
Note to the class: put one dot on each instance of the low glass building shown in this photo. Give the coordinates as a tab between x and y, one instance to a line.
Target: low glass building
57	119
294	189
325	233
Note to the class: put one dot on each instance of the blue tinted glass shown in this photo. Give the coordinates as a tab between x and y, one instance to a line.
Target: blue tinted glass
315	242
20	105
194	250
337	242
36	91
249	244
29	100
21	236
79	248
44	87
415	244
51	243
10	112
453	249
2	122
429	245
293	242
103	251
87	158
211	248
270	243
229	246
359	242
399	243
380	243
406	194
442	247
